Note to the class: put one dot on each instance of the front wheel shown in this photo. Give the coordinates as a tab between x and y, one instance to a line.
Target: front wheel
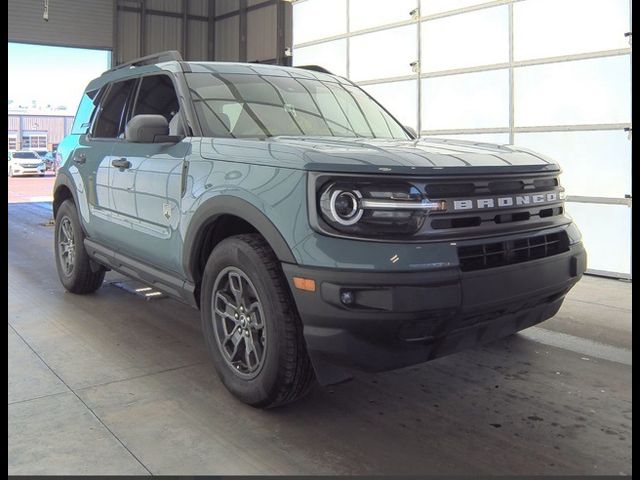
251	324
74	267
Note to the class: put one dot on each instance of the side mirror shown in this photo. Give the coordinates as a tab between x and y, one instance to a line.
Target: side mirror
411	131
149	129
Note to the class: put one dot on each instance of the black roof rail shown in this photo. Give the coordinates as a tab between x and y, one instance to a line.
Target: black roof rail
315	68
169	55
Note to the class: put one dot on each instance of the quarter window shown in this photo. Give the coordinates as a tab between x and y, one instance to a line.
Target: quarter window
85	113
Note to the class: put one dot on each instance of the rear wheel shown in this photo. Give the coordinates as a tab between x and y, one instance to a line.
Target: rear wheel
74	267
251	324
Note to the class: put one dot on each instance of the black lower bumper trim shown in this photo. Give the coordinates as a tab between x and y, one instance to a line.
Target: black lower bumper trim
398	319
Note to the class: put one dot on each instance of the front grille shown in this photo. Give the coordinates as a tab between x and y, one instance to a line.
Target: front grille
493	204
492	218
497	254
29	165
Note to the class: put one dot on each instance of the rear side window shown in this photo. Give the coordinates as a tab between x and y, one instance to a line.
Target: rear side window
157	96
86	111
112	110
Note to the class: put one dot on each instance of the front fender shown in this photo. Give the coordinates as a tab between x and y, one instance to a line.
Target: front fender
211	209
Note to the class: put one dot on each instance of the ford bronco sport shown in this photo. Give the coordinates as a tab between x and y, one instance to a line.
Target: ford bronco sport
313	231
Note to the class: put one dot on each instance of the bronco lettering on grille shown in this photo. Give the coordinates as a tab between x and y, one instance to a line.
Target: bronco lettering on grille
500	202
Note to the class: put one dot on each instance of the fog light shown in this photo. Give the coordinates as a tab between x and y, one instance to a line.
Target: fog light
347	297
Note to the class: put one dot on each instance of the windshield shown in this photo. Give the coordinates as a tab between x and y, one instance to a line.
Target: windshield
24	155
241	105
42	153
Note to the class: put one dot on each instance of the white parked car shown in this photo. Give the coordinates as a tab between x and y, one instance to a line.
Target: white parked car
25	162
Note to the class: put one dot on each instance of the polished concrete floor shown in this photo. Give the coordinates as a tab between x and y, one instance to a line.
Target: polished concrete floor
112	383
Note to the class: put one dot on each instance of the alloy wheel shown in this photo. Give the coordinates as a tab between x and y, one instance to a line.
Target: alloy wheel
66	246
238	322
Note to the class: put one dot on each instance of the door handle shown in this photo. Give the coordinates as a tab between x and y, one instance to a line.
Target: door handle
80	159
121	163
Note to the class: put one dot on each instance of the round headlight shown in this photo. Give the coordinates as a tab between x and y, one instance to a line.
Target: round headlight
342	206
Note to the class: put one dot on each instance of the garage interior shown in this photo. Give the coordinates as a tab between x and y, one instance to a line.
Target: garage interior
119	382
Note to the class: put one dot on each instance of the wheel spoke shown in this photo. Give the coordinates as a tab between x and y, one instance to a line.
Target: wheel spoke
248	350
67	231
235	285
253	310
229	307
233	332
236	341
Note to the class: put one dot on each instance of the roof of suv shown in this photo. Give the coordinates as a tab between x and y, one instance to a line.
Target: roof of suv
172	61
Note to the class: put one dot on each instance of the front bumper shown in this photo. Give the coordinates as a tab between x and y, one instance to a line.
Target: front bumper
19	170
403	318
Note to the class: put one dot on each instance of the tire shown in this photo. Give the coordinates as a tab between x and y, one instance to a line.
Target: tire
76	276
279	370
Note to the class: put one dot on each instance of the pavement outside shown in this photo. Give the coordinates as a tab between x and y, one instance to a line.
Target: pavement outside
113	383
31	188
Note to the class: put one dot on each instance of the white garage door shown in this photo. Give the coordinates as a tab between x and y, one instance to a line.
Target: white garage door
551	75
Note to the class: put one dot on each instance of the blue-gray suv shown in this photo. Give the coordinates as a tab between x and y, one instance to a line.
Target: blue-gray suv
314	232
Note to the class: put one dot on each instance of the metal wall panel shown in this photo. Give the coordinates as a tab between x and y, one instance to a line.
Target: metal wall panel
73	23
197	40
128	46
226	6
53	126
162	33
90	24
199	7
228	39
13	123
261	33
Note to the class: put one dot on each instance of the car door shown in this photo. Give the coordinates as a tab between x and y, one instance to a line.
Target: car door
146	193
91	158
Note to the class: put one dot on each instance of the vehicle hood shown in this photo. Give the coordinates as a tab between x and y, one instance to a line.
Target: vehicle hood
422	156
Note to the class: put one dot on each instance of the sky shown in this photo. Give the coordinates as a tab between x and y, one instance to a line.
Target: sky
53	76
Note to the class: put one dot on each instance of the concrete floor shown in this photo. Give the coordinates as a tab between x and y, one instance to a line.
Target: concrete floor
114	384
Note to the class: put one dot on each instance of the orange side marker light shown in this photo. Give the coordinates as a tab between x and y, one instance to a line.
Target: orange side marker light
306	284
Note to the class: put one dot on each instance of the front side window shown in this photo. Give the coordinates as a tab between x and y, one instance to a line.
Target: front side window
157	96
112	110
241	105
